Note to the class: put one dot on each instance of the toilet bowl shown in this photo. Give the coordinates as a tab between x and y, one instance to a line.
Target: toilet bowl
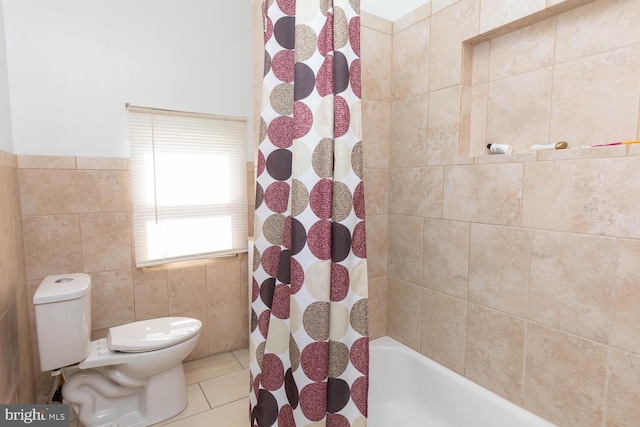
134	377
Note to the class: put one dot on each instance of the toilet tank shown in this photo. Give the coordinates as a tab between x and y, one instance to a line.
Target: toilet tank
63	319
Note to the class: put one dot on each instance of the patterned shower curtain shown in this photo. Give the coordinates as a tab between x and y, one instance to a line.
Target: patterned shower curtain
309	328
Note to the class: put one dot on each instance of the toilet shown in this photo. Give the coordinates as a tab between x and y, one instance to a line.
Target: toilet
134	377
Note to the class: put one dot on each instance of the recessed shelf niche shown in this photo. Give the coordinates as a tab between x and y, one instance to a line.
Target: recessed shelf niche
562	74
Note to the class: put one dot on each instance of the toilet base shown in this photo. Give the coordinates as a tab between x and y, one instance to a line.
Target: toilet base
165	395
106	397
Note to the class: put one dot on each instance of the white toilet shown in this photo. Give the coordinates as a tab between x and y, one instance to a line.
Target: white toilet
132	378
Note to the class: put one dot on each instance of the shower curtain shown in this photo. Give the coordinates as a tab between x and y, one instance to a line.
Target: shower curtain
309	327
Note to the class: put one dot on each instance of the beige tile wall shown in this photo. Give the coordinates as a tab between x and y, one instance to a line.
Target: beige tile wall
77	217
521	273
536	71
376	51
16	361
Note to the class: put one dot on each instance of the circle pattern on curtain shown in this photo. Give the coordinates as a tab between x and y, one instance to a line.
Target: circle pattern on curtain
309	317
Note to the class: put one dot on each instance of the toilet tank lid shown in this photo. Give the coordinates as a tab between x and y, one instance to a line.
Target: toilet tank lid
62	287
152	334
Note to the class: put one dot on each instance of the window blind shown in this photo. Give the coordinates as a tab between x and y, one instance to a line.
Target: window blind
189	185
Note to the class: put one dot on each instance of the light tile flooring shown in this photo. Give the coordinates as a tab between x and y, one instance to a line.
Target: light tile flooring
218	388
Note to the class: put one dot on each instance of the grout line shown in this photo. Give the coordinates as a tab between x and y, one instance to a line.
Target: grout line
523	389
553	73
466	335
236	357
522	193
467	298
205	395
181	420
486	101
612	305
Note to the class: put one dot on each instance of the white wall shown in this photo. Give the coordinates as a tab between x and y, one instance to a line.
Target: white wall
391	9
73	64
6	141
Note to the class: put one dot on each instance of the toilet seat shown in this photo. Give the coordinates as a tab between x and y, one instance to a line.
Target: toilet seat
144	339
152	334
100	355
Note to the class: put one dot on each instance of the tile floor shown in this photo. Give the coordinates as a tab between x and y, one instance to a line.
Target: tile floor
218	388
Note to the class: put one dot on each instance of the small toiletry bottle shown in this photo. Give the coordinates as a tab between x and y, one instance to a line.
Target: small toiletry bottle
500	148
561	145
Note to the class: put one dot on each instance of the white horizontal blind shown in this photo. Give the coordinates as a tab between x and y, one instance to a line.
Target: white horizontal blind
189	184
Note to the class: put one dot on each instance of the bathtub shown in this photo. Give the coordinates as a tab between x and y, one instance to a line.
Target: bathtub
407	389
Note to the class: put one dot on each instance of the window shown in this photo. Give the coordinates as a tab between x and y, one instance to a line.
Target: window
188	174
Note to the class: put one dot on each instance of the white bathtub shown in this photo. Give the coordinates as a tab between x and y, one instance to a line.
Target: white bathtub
407	389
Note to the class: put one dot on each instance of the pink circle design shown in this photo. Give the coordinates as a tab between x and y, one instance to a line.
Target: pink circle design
325	38
359	242
337	420
342	118
281	304
255	290
319	239
286	233
313	401
359	355
272	372
359	391
303	119
280	131
354	35
285	417
297	276
270	260
320	199
324	77
262	164
288	7
339	282
268	33
263	322
276	196
314	360
282	65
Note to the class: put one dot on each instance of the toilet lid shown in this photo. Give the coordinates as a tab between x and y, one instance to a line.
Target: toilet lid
153	334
